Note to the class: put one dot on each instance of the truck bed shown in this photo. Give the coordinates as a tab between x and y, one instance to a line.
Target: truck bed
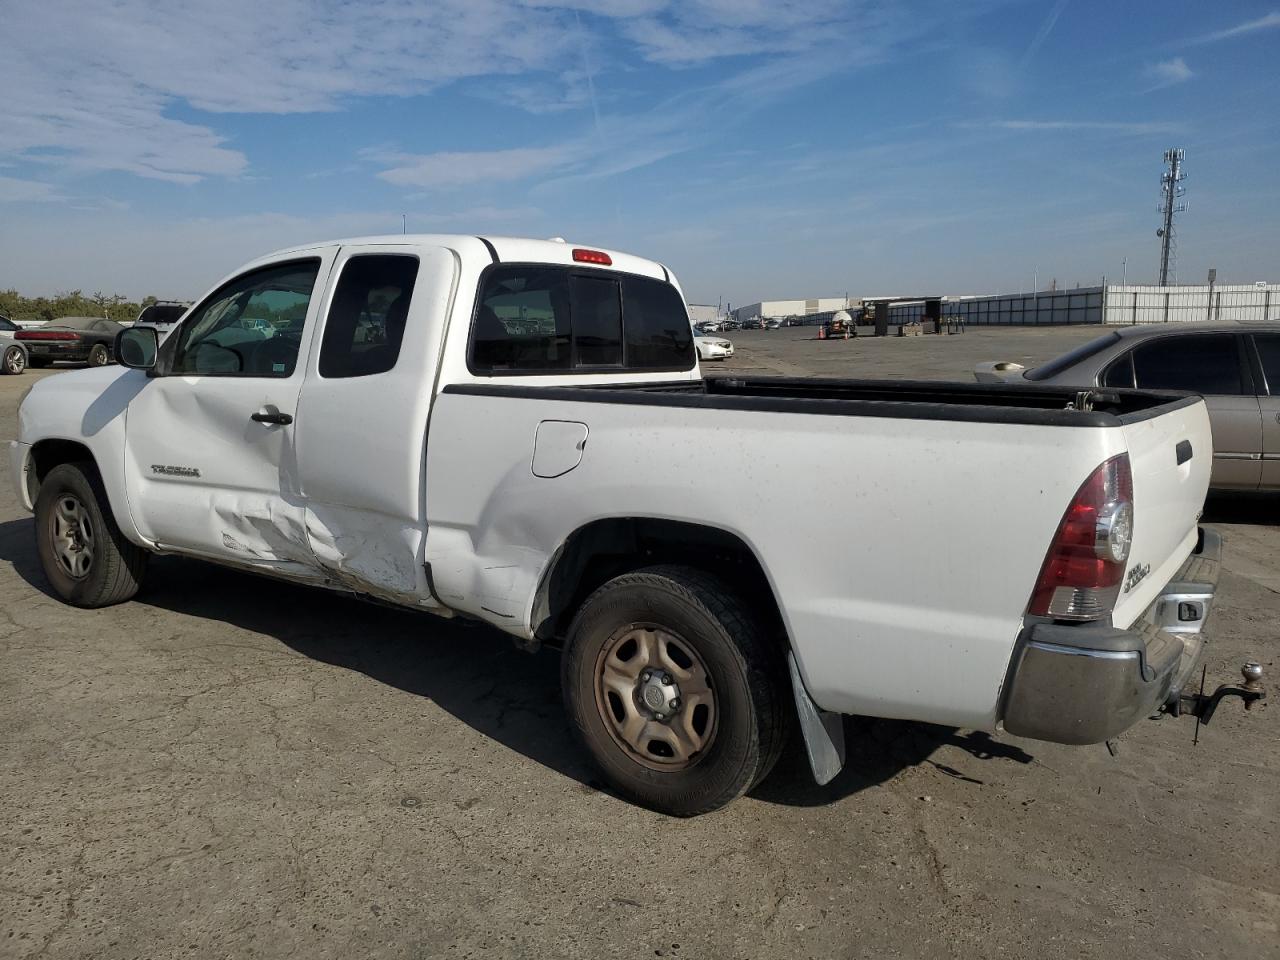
908	399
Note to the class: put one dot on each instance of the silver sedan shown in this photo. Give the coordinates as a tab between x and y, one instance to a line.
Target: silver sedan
1235	366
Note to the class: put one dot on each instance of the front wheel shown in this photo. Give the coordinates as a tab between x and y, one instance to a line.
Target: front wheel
85	557
98	356
14	360
674	689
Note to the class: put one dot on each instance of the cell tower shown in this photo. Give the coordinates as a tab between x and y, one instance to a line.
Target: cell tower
1171	193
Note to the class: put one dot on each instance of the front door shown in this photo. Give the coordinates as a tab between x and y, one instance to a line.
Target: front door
1211	364
211	468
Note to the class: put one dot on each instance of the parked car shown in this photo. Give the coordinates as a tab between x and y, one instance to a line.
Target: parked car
13	355
711	326
773	324
528	441
85	339
713	348
162	315
1234	366
730	325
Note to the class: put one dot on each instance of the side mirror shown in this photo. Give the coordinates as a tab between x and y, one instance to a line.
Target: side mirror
136	347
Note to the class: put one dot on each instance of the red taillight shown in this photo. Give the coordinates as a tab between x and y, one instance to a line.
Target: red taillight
592	256
1080	579
45	335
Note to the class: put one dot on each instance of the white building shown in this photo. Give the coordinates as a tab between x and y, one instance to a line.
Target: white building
769	309
702	312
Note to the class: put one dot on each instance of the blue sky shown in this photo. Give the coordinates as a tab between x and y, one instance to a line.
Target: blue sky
759	149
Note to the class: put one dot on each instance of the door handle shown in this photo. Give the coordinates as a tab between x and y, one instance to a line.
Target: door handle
281	418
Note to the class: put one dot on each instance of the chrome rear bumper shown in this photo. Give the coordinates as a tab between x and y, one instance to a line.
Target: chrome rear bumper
1087	683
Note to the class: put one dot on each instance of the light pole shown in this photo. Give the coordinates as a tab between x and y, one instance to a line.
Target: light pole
1125	276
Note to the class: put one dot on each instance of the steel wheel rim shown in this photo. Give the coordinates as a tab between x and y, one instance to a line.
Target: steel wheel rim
72	536
662	725
13	361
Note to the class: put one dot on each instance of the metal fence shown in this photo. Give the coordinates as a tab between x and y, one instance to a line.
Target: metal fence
1179	304
1082	305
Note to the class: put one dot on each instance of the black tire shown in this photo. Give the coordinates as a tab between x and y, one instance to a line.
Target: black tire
745	671
14	360
99	355
116	567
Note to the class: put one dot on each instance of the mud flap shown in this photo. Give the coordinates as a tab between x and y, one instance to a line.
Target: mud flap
823	731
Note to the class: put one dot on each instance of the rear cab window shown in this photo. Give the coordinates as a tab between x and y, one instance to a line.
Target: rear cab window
541	318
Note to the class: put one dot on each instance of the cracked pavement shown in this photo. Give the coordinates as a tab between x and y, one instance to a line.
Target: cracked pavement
232	767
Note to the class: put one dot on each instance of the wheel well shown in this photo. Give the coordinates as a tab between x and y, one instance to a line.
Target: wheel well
47	454
604	549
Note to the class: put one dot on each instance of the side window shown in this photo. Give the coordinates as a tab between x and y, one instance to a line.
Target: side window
1206	364
1120	373
367	317
522	322
659	336
7	325
1268	345
252	327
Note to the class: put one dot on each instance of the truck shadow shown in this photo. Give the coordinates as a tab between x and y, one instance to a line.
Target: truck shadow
476	674
1259	509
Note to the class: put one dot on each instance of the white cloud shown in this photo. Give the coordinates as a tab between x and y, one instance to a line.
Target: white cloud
1166	73
1268	22
451	169
1138	129
99	86
15	190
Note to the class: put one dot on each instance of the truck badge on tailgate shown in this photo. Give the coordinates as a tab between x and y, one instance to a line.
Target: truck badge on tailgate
165	470
1137	573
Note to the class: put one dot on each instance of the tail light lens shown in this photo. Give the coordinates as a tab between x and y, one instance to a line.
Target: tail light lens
45	335
1081	576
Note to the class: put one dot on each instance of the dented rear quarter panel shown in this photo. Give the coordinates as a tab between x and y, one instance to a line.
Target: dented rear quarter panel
906	602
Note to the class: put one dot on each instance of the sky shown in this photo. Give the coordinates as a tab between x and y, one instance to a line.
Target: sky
761	150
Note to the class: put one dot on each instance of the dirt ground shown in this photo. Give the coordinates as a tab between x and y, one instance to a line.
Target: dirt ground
231	767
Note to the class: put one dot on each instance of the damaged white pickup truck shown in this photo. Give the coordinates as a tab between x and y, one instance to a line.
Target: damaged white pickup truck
517	431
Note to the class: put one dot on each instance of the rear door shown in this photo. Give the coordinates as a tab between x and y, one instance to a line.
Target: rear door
362	415
1211	364
1267	376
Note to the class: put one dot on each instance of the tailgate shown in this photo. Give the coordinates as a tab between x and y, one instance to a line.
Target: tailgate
1171	455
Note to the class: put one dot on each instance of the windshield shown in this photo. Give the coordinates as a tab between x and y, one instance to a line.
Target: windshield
75	323
1072	357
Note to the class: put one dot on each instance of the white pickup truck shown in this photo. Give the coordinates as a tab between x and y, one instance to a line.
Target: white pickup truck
517	431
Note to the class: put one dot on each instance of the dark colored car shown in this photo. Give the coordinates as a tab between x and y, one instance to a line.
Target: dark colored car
84	339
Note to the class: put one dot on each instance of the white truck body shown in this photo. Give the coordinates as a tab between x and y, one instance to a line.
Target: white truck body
439	487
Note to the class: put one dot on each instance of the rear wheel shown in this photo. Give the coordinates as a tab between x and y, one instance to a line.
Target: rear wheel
14	360
85	557
673	688
99	356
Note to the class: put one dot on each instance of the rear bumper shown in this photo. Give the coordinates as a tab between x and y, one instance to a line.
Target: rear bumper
53	350
1085	684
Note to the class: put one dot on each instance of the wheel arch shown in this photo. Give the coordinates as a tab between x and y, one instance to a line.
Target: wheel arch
600	550
50	453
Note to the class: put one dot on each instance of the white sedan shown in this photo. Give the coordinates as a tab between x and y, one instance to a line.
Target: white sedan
713	348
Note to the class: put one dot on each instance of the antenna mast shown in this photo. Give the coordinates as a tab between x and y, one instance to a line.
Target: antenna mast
1171	192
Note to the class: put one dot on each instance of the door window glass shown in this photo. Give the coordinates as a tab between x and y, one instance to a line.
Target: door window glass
1269	353
1207	364
252	327
367	318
